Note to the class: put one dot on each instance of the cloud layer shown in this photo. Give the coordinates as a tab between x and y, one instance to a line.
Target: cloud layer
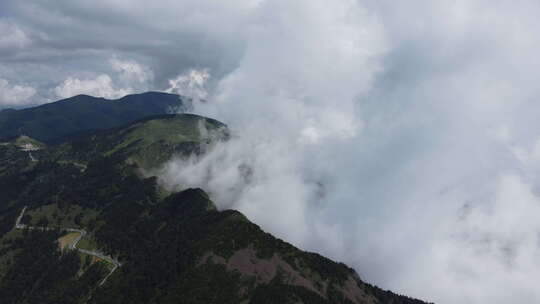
127	73
14	95
401	138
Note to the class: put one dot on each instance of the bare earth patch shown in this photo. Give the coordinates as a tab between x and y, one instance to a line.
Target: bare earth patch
67	240
95	259
247	263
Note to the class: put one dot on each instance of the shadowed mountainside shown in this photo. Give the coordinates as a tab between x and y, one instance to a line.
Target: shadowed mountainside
52	121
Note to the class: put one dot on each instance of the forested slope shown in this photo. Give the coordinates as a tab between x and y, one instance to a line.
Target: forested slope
174	248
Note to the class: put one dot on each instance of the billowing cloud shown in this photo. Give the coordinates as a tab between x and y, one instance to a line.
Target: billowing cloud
101	86
131	71
71	38
15	95
399	145
129	77
191	84
400	138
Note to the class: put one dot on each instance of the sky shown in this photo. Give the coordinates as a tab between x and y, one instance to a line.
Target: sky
399	137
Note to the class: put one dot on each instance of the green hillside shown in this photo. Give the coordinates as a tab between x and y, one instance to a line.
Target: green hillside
173	249
148	142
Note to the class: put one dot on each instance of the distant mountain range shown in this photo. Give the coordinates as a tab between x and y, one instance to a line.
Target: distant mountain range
142	243
49	122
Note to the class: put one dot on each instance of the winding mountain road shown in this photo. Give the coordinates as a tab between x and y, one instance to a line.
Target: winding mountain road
32	158
73	245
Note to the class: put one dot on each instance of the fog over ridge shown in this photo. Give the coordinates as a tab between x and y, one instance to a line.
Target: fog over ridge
400	138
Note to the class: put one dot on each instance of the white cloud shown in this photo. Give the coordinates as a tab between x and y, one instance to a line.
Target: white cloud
291	100
394	137
131	71
191	84
101	86
15	95
129	77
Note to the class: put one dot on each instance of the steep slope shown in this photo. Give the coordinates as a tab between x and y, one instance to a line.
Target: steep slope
52	121
174	248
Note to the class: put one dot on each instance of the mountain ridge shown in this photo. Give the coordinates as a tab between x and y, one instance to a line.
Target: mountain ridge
174	247
51	121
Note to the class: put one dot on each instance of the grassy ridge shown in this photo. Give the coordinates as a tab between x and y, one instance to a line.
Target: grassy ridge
149	142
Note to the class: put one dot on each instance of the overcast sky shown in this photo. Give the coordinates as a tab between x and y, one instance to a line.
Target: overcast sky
400	137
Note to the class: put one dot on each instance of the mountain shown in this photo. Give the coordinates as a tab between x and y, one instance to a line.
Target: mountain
84	222
52	121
